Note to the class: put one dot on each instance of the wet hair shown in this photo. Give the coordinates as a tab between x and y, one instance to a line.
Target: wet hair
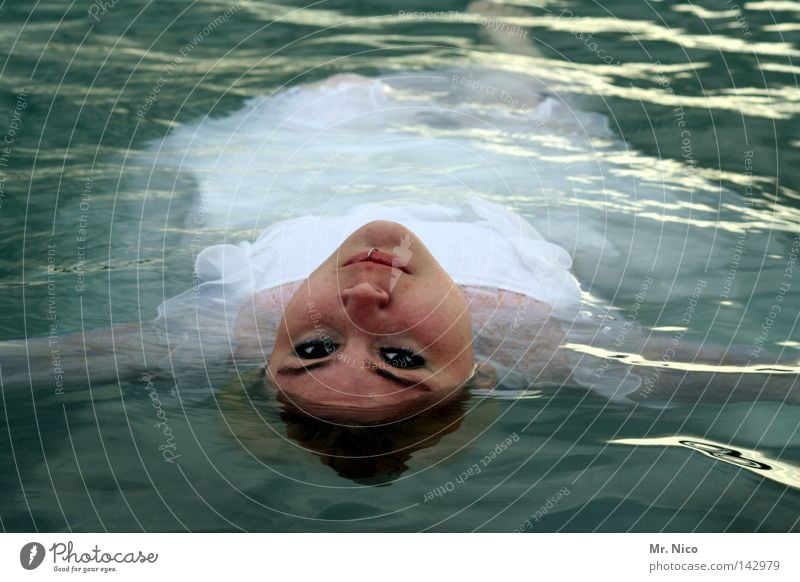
373	454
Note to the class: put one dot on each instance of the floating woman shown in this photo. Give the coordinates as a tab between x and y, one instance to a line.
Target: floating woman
368	302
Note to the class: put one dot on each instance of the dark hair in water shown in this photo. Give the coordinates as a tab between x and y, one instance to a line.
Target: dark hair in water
373	454
366	454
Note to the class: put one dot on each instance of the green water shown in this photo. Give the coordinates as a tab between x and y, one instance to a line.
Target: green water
93	459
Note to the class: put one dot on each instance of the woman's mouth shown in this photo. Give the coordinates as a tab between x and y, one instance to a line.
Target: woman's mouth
379	258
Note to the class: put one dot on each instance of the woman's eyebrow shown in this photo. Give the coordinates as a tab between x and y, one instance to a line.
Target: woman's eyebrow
296	371
382	372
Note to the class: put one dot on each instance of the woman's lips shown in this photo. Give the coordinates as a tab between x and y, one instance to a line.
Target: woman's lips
379	258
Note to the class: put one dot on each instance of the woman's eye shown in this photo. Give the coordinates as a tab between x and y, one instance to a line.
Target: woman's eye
401	358
314	349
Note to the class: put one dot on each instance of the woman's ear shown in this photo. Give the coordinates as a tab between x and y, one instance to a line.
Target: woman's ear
485	377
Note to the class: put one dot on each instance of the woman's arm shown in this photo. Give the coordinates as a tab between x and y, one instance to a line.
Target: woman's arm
667	371
715	387
690	372
95	357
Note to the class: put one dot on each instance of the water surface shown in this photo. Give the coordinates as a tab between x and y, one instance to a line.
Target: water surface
699	181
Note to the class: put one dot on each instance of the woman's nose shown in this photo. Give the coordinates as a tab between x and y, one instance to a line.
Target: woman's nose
364	296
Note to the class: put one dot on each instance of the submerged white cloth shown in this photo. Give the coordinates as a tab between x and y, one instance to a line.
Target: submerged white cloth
482	246
479	245
334	146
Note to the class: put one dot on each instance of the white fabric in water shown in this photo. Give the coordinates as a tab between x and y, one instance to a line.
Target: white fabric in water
308	166
483	246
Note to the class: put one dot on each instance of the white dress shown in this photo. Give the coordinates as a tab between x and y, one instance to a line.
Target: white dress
306	166
525	303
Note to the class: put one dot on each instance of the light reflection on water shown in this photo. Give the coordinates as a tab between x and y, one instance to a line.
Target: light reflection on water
784	473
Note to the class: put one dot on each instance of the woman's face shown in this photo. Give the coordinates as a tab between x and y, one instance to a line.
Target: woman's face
374	338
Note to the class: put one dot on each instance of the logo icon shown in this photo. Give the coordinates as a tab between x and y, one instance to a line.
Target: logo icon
31	555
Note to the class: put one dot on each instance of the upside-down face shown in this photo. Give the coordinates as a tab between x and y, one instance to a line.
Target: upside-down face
377	332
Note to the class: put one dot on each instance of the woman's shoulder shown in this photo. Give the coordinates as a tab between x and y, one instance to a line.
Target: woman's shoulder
489	302
512	331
